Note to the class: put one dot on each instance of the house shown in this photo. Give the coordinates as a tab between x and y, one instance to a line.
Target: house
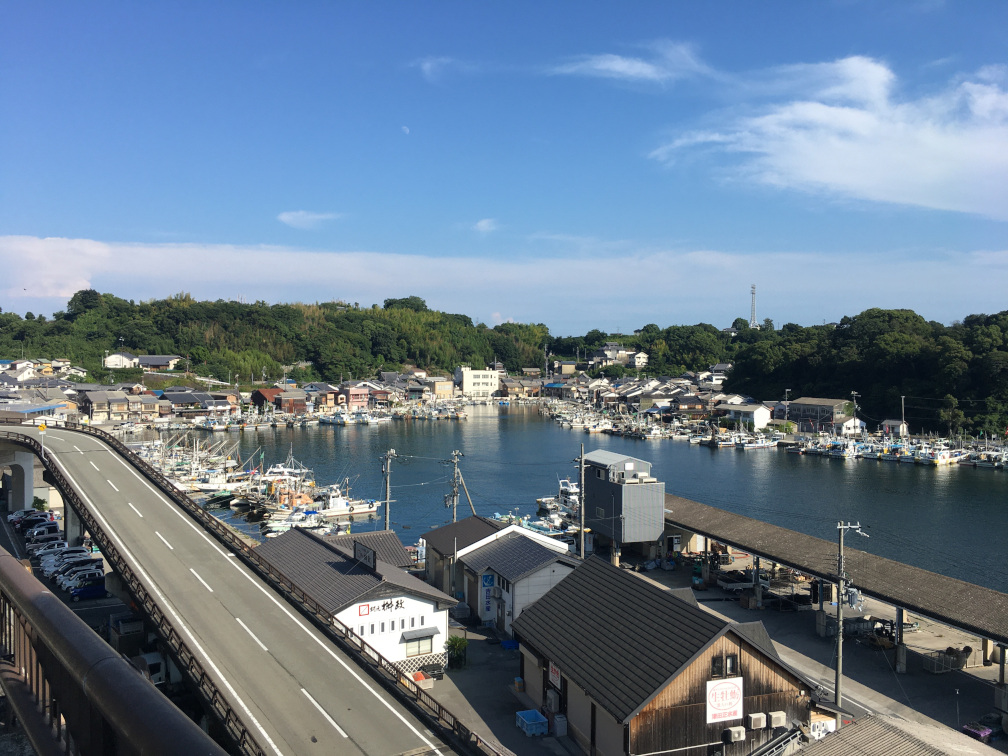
292	401
508	571
813	414
622	502
353	396
637	670
105	406
443	544
895	428
121	360
755	416
263	398
441	388
154	362
396	614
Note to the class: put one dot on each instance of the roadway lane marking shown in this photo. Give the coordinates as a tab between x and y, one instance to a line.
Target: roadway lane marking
134	508
324	713
282	606
161	537
58	438
78	448
205	585
112	484
179	623
253	635
94	465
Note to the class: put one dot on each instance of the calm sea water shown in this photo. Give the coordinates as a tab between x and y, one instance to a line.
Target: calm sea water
949	520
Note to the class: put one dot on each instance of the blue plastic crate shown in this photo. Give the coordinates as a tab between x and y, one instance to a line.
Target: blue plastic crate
532	722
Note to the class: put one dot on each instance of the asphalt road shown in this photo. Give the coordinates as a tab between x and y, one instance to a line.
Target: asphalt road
296	692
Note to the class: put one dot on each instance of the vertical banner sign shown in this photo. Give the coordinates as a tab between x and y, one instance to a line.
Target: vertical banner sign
488	581
724	700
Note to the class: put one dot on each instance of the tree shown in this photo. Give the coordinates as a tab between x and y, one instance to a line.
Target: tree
767	325
950	415
406	303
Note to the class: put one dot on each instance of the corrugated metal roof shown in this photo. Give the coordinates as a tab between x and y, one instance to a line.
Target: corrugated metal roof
980	610
386	544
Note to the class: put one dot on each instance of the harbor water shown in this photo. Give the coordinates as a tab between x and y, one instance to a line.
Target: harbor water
951	520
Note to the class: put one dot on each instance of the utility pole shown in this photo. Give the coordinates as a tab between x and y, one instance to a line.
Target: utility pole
841	583
854	396
387	471
786	405
455	484
581	503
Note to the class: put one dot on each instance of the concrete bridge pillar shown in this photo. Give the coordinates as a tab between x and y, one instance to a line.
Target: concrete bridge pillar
22	477
757	585
73	526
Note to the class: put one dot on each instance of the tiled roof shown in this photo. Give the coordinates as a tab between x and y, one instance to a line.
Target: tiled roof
870	735
617	636
512	557
386	544
335	580
467	531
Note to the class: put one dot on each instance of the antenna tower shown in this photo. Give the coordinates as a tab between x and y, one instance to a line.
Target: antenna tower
752	313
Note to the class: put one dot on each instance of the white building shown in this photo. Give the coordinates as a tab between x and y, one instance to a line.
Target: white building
395	613
755	415
121	360
509	570
477	384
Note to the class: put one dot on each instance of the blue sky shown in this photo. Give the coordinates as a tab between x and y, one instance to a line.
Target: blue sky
582	165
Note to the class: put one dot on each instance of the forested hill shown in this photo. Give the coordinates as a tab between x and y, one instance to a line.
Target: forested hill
951	377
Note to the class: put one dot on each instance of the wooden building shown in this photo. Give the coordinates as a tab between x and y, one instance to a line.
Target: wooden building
635	669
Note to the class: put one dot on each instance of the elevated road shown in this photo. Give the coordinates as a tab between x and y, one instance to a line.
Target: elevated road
294	689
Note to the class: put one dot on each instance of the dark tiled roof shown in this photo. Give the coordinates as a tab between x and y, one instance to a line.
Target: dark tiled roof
512	557
461	534
979	610
335	580
870	735
386	543
619	637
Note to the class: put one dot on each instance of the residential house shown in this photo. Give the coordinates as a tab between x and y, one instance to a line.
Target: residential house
121	360
264	397
291	401
755	416
509	570
441	388
443	544
353	396
477	384
623	504
154	362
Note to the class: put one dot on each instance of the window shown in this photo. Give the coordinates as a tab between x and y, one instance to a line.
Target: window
730	665
419	646
402	624
717	666
362	629
412	621
383	627
372	628
421	620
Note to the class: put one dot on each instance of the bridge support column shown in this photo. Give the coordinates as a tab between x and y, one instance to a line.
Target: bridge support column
901	651
73	526
757	585
22	478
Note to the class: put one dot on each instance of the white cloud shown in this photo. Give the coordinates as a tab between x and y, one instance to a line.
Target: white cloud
485	226
435	68
840	129
405	130
305	220
566	296
668	61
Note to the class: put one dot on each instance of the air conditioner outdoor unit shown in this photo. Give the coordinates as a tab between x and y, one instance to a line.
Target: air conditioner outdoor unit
733	735
778	719
757	721
496	592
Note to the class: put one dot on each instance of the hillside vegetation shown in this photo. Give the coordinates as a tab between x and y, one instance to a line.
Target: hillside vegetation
951	378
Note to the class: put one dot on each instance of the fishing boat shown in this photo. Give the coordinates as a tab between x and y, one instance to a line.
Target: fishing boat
564	502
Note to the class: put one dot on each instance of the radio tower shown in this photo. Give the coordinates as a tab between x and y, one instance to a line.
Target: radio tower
752	314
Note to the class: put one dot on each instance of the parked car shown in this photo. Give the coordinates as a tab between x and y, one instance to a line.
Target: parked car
44	528
80	578
93	589
15	516
46	540
66	565
50	566
27	523
49	549
54	558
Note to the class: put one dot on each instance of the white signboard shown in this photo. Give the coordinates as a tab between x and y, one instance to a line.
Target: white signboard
554	675
724	700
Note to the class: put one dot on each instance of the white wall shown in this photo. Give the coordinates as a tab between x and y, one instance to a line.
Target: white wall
529	589
399	614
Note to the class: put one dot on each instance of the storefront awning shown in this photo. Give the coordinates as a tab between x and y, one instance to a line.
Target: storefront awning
422	632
